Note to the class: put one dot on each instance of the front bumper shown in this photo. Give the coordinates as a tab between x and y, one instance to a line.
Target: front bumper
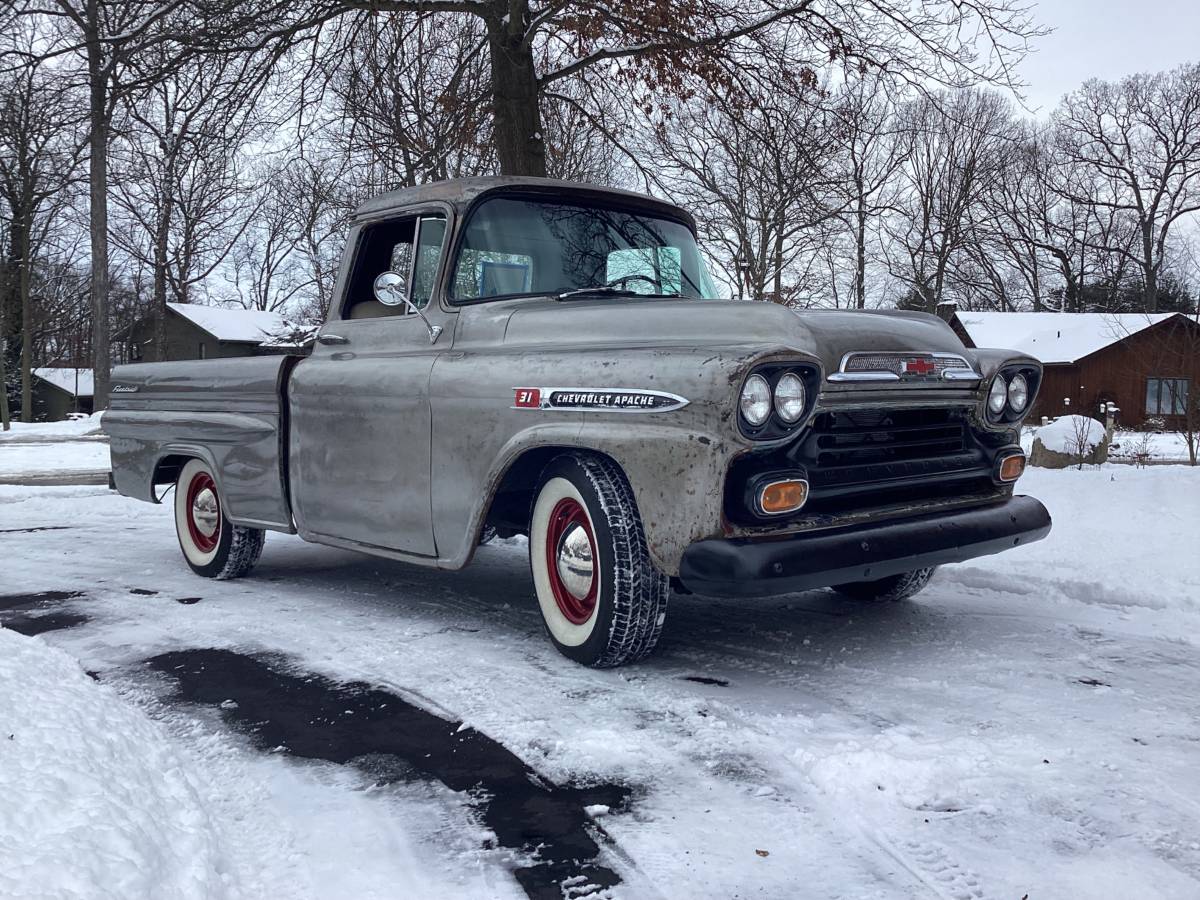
763	567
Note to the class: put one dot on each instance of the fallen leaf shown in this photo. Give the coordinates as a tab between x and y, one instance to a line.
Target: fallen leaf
762	852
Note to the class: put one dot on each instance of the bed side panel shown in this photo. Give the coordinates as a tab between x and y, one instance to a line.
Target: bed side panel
226	411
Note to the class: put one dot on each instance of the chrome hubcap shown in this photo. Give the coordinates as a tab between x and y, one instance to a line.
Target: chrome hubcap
205	512
575	564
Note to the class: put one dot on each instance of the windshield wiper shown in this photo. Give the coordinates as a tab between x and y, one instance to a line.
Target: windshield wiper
605	290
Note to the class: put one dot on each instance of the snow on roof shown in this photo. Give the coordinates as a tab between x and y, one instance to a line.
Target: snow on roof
65	379
247	326
1054	337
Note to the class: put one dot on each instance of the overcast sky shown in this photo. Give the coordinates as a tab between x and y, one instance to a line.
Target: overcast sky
1106	39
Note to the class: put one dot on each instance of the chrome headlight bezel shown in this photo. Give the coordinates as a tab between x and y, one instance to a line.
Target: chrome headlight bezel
790	398
1018	385
1001	385
997	396
776	425
756	393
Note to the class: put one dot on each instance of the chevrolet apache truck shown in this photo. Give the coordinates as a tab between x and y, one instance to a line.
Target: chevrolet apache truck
524	356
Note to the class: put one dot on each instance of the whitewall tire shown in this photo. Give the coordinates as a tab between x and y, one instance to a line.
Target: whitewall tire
212	545
602	599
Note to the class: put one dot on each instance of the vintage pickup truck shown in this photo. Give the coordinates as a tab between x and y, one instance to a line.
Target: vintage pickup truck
523	356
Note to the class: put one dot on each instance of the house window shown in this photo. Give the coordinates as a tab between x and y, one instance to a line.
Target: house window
1166	396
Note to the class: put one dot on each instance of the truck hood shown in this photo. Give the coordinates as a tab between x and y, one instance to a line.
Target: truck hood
826	334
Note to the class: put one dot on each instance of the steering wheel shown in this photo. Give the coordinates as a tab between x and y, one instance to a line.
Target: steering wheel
622	280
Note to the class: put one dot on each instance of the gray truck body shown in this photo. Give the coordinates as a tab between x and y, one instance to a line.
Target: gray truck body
386	442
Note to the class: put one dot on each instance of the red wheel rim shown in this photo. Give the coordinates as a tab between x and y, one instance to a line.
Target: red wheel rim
567	515
204	540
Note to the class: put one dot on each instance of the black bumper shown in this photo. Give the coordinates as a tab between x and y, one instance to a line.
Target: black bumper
762	567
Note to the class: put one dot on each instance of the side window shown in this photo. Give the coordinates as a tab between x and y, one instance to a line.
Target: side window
389	246
431	234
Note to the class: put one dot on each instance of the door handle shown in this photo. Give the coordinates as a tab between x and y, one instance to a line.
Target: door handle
332	339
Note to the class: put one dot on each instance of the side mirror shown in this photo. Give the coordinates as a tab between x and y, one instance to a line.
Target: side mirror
389	290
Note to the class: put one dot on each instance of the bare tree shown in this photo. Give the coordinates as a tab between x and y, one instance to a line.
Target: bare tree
410	90
39	153
872	154
175	171
759	178
1139	141
535	45
955	149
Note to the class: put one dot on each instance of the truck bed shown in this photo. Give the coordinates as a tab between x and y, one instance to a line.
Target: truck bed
232	413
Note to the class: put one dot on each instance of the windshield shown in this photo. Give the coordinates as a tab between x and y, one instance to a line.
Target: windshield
514	247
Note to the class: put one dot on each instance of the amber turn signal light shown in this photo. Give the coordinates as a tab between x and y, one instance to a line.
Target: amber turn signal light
781	497
1011	467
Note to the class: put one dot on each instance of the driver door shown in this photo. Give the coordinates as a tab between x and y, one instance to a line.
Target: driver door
360	415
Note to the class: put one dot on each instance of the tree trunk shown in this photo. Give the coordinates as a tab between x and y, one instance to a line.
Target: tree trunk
860	255
98	205
23	263
516	113
5	418
162	233
777	257
10	322
1150	287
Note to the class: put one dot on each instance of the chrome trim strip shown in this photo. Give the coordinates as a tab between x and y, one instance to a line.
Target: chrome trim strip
674	401
967	373
864	376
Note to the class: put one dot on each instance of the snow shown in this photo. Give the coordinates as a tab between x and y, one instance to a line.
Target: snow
42	432
239	325
54	447
1027	725
67	379
97	803
27	458
1054	337
1071	434
1160	446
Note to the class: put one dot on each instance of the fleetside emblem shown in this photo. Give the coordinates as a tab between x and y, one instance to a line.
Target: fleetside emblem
123	389
596	399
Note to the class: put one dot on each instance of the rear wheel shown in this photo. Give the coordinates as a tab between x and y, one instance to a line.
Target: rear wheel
897	587
602	598
212	545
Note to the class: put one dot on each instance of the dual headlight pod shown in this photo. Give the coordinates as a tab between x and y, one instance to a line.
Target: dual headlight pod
788	398
773	399
1008	396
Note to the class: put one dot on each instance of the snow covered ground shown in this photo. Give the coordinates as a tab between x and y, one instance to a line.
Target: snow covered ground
54	451
1029	725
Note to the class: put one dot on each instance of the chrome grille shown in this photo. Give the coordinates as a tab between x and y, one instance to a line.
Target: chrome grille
894	362
865	457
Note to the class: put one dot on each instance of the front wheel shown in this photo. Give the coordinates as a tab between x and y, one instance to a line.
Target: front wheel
602	598
897	587
212	545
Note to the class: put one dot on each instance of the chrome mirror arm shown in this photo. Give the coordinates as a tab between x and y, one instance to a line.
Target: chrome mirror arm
390	292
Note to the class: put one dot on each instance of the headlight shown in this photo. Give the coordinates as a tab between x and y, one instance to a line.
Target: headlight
790	398
1018	393
755	401
998	395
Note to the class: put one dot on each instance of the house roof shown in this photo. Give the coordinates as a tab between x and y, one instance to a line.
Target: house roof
1054	337
242	326
65	379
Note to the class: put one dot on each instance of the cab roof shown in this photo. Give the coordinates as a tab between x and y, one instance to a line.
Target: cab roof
462	192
